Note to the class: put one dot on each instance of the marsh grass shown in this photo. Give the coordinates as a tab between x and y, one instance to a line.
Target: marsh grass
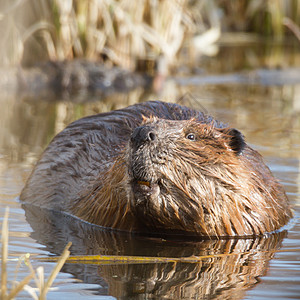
43	286
121	32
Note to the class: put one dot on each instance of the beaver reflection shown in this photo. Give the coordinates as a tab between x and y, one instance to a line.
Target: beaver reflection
224	277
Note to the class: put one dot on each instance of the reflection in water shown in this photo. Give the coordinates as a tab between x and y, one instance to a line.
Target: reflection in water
221	277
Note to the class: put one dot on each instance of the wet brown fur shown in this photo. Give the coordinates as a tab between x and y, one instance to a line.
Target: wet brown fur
220	193
208	187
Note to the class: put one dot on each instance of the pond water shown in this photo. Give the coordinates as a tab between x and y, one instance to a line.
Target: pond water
261	268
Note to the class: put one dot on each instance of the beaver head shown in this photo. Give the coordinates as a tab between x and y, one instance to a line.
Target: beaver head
178	169
193	177
184	176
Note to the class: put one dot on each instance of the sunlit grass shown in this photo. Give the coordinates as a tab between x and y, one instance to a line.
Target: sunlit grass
43	285
121	32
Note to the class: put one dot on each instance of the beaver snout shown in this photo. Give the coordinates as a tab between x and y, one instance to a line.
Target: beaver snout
146	144
142	135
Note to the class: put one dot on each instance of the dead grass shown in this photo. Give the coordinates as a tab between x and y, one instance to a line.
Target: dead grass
43	286
123	31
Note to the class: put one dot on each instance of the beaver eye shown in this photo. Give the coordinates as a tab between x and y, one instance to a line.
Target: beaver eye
191	136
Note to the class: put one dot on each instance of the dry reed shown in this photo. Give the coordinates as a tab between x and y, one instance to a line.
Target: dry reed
43	286
124	31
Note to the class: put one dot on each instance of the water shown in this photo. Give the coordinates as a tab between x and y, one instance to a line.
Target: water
262	268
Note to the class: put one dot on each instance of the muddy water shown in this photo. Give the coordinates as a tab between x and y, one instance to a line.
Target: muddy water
262	268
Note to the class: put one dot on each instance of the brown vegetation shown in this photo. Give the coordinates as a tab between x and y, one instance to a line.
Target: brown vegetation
122	33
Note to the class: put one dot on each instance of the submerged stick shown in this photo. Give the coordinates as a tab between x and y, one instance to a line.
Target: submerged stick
119	259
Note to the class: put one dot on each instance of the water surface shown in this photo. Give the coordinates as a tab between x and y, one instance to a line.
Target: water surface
261	268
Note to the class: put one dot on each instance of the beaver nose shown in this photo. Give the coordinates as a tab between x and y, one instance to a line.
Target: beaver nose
142	135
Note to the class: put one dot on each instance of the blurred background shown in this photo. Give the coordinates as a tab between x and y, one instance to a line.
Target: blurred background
122	33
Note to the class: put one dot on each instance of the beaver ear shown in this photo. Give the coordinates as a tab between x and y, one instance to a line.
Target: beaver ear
237	142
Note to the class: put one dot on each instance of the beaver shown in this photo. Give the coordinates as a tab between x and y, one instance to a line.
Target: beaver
162	168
